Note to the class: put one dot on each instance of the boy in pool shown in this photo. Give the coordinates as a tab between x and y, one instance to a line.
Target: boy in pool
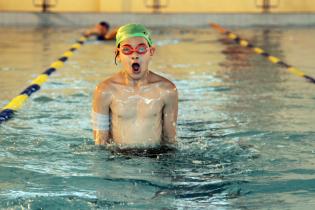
135	107
101	31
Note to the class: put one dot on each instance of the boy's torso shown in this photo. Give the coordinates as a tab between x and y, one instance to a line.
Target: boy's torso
137	113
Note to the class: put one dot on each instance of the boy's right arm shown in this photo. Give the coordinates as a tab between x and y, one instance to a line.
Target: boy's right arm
100	114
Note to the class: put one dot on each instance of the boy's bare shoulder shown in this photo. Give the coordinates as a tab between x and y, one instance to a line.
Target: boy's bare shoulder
164	83
107	84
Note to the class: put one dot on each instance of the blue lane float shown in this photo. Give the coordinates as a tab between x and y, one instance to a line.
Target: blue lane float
16	103
259	51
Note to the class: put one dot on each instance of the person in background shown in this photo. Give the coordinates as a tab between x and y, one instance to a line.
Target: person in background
101	31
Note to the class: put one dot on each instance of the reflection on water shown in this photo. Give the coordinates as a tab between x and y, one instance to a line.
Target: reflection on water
245	127
254	82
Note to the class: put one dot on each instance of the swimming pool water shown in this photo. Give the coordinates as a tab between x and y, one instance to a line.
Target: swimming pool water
245	126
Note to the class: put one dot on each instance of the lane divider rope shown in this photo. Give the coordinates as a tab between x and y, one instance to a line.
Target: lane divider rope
257	50
16	103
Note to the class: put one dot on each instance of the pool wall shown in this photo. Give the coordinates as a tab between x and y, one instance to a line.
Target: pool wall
164	20
160	6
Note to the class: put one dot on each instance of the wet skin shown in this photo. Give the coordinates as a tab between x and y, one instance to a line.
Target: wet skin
143	105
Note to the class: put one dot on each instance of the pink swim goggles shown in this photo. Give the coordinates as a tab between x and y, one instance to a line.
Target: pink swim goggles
128	49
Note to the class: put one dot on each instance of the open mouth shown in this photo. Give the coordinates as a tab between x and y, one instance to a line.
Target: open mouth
136	68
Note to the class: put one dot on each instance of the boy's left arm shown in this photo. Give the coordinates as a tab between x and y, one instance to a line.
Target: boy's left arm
170	116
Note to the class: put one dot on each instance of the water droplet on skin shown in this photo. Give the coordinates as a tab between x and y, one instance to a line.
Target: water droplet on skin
147	101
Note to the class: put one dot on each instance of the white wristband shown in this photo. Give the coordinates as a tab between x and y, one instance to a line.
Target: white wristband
100	121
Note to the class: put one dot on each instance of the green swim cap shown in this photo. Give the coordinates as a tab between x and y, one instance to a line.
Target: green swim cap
133	30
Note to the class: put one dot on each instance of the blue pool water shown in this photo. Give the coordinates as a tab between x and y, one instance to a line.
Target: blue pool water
245	127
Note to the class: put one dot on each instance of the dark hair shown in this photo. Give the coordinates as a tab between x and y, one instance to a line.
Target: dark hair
104	24
116	54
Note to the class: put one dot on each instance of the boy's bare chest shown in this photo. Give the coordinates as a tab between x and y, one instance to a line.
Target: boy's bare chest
137	105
